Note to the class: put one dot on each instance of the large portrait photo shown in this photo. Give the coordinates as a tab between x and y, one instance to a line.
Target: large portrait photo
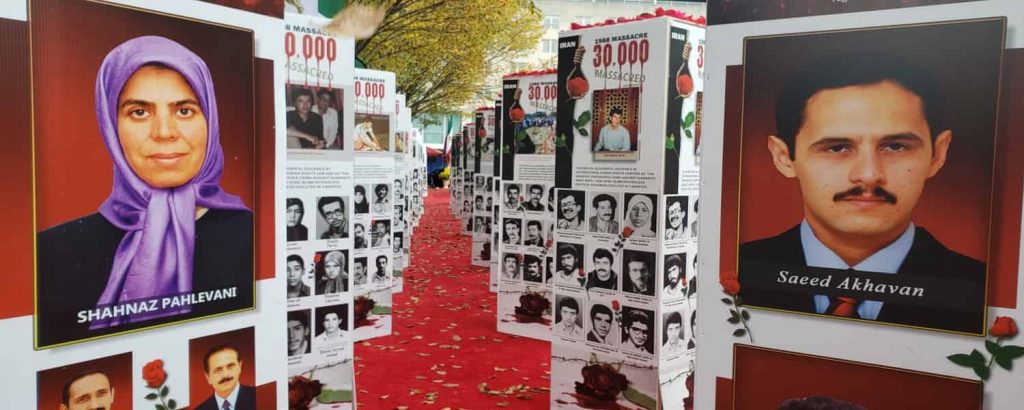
144	196
866	173
615	127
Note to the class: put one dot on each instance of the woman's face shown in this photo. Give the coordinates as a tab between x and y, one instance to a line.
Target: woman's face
332	268
639	214
161	127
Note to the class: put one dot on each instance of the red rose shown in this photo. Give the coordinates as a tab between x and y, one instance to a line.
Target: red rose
1003	327
688	401
730	283
516	114
684	85
578	87
302	391
627	231
581	272
547	244
532	305
615	305
602	381
153	373
317	257
362	307
481	133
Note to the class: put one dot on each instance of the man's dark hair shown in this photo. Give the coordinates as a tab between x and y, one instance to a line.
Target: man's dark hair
228	346
382	256
569	303
294	201
567	249
695	202
818	403
298	92
379	186
508	187
576	197
673	317
604	253
295	316
674	260
323	91
614	110
537	187
329	200
359	226
530	259
638	257
511	256
636	315
598	308
361	190
534	223
65	392
295	258
604	197
360	261
851	69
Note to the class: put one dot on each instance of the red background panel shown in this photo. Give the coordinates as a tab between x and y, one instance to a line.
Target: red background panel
764	378
16	171
117	368
73	169
265	169
243	339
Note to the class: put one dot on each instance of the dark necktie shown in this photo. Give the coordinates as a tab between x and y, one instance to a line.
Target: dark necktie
843	307
226	406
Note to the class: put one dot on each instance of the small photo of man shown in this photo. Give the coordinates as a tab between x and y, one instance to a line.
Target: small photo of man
570	210
296	268
397	242
298	332
569	262
510	266
295	210
331	268
382	270
478	224
512	193
602	273
604	329
605	210
639	267
532	269
382	198
305	128
675	276
672	335
95	384
675	217
359	236
331	325
371	132
399	193
568	322
226	363
637	330
511	231
478	203
534	234
332	222
380	237
359	271
535	198
361	201
614	126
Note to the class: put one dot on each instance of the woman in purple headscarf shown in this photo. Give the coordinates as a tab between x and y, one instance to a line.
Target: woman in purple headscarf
168	243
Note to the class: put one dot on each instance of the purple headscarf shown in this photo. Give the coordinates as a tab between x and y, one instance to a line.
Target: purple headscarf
154	258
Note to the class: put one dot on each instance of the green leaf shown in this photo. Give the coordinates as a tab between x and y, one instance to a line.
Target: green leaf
745	315
982	371
963	360
727	301
689	134
152	396
161	407
584	119
1012	352
977	357
163	391
583	132
636	397
381	310
740	332
734	320
172	404
734	314
1004	362
335	396
689	119
992	347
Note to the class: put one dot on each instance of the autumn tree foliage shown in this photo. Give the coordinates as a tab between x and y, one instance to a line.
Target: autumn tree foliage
443	52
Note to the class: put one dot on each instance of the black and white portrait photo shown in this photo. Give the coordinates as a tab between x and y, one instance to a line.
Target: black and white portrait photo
331	325
534	234
382	198
296	268
295	210
675	276
534	198
331	272
359	271
298	332
332	221
675	217
641	215
637	329
532	269
601	273
638	272
380	237
570	210
672	334
603	328
568	321
511	229
381	270
361	202
604	211
359	236
510	266
569	264
511	199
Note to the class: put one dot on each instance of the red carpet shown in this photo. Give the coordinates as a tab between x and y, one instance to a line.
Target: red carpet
444	345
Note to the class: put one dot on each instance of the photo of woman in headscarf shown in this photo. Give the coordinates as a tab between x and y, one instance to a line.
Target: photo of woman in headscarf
331	275
167	228
641	215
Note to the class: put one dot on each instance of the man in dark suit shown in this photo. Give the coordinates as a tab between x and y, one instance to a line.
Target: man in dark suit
862	134
223	366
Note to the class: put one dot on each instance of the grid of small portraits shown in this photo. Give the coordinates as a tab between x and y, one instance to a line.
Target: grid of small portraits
328	218
317	329
632	215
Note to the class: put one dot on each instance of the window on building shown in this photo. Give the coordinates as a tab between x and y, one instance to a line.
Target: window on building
550	22
584	20
549	46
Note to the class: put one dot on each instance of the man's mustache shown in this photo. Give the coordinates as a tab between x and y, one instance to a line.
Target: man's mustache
859	191
225	380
